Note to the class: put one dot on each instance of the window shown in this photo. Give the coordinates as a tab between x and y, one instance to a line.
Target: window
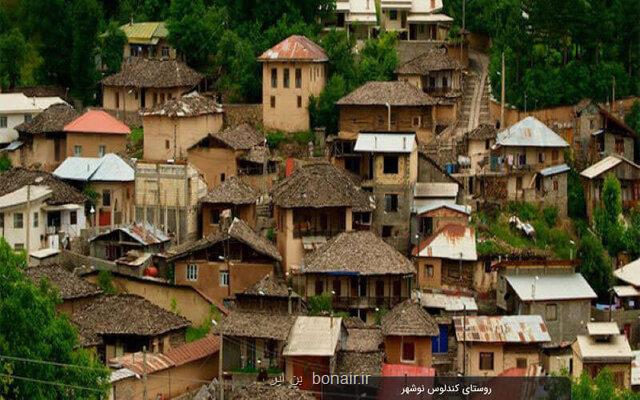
18	246
273	101
555	185
393	15
486	361
18	221
274	77
298	78
224	278
102	150
319	287
521	363
192	272
285	78
390	202
28	117
337	287
77	150
106	197
36	221
555	154
135	50
429	271
222	177
619	145
551	312
408	352
73	218
165	51
155	99
161	97
445	83
415	121
116	98
390	165
299	101
3	122
214	217
386	231
540	158
167	144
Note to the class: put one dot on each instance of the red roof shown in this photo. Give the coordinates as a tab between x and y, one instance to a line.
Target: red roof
406	370
97	121
195	350
295	47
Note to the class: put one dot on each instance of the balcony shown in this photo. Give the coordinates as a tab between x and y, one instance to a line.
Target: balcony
342	302
437	91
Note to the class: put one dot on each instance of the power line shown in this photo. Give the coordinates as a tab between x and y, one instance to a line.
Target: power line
46	382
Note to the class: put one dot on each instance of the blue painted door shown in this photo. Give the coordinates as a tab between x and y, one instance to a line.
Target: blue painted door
440	343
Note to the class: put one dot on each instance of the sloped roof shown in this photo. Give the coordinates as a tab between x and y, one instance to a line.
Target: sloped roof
135	362
453	242
256	324
606	164
386	142
142	232
318	185
555	170
127	314
551	287
152	73
629	273
192	351
68	284
409	319
402	370
427	208
435	189
530	132
19	103
482	132
23	195
503	329
269	286
295	48
447	302
394	93
62	193
108	168
232	191
53	119
144	32
97	121
190	105
355	363
313	336
435	60
617	349
603	328
363	340
357	253
240	137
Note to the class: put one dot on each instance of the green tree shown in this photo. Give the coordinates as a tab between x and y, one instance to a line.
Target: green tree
237	68
13	55
632	234
32	331
607	217
86	15
339	48
596	265
632	118
378	59
576	201
112	43
5	163
323	108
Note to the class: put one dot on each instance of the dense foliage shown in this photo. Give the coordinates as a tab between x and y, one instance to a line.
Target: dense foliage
33	337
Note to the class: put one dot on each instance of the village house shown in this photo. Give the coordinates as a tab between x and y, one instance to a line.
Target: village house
144	83
603	347
75	292
395	106
224	263
628	174
362	351
270	294
15	109
236	151
526	164
312	348
43	137
233	195
136	237
179	371
316	202
476	150
434	206
37	210
359	271
292	71
168	196
357	17
171	127
94	134
408	330
415	19
147	40
625	310
116	324
489	345
110	178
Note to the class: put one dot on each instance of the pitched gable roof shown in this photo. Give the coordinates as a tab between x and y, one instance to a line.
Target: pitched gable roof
62	193
109	168
606	164
435	60
530	132
256	324
68	284
232	191
502	329
453	242
295	48
53	119
409	319
142	232
97	121
151	73
190	105
144	32
269	286
394	93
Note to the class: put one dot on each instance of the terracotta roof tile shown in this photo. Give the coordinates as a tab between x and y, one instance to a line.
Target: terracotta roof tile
97	121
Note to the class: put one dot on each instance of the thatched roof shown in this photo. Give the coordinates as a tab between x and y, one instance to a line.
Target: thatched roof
483	132
394	93
361	252
363	340
51	120
256	324
269	286
232	191
189	105
409	319
318	185
434	60
68	284
150	73
350	362
127	314
19	177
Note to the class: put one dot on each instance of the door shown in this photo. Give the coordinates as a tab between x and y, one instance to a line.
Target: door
413	32
104	218
440	343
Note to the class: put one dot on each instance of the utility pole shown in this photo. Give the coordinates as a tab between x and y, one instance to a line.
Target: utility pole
220	365
502	94
144	372
28	231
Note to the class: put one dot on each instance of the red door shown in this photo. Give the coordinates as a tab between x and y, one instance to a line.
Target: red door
104	218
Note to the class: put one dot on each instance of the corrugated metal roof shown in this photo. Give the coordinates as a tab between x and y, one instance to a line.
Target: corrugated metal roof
530	132
97	121
15	145
629	273
551	287
120	374
605	165
295	47
195	350
386	142
435	189
434	205
144	32
134	362
143	232
626	291
313	336
109	168
502	329
602	328
19	196
44	253
447	302
453	242
554	170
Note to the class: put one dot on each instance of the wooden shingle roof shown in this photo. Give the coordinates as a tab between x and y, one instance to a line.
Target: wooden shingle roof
409	319
51	120
68	284
149	73
394	93
232	191
62	193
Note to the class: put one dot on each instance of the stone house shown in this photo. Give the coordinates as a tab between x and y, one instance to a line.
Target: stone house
603	347
415	19
233	195
314	203
144	83
626	171
147	40
359	271
94	134
173	126
490	345
43	137
408	330
116	324
292	71
223	264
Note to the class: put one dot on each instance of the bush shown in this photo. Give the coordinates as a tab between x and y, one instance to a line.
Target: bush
524	211
304	137
550	215
105	282
5	163
275	138
318	305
